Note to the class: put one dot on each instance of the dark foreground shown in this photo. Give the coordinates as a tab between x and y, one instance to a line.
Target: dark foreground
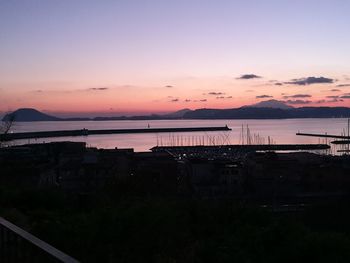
151	229
120	206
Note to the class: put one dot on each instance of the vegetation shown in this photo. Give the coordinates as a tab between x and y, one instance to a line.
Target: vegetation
5	127
111	227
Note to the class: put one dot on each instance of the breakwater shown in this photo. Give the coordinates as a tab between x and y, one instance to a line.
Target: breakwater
86	132
323	135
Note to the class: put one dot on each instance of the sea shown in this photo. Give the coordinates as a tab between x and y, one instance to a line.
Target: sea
243	132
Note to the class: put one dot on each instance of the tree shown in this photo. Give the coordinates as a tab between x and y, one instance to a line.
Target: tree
5	127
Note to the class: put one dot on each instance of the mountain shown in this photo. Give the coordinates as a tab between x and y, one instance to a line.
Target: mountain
170	116
239	113
246	112
269	113
28	114
275	104
177	114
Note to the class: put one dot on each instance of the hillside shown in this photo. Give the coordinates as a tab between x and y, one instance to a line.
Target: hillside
269	113
28	115
246	112
276	104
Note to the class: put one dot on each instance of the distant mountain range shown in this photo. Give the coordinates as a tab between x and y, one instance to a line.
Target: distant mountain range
263	110
269	113
31	115
276	104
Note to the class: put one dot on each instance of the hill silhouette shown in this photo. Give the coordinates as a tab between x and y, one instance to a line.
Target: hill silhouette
246	112
276	104
269	113
28	115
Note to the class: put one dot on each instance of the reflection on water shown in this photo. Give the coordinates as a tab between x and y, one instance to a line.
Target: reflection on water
280	131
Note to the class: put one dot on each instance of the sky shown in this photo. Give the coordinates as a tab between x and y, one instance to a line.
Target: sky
122	57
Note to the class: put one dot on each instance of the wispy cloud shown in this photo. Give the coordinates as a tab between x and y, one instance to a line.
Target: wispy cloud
298	96
310	80
263	96
223	97
249	76
98	89
335	100
298	102
169	86
330	99
343	85
216	93
335	90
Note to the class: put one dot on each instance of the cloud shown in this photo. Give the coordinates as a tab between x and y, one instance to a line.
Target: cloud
298	102
249	76
345	97
169	86
98	89
223	97
335	100
249	90
203	100
278	84
343	85
187	100
328	101
216	93
320	101
334	90
174	100
332	97
298	96
263	96
310	80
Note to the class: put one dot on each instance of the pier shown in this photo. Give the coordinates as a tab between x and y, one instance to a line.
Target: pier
86	132
324	135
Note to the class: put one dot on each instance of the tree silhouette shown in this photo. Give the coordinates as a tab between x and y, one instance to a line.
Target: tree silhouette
5	127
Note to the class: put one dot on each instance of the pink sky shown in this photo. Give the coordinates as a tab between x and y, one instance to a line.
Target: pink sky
129	57
69	98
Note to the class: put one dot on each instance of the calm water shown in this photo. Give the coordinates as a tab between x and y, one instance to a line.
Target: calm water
281	131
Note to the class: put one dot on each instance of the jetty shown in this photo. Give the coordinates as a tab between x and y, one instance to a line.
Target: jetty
324	135
86	132
341	142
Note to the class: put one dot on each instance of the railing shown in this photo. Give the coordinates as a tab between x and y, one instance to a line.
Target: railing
17	245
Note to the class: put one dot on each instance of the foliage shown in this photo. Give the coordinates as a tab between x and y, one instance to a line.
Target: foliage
103	228
5	127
